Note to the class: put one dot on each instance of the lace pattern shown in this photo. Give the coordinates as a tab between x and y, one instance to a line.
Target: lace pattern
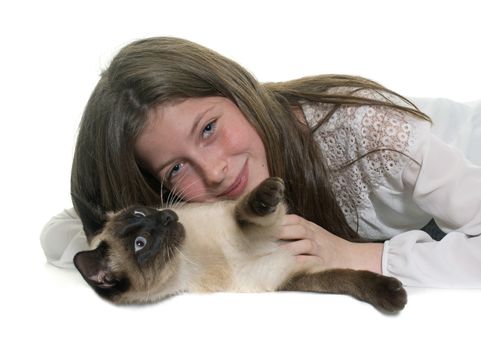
350	141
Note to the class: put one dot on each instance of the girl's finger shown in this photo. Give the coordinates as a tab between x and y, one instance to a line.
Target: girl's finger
293	232
300	247
292	220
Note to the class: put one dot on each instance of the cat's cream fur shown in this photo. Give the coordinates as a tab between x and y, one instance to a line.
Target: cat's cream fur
216	255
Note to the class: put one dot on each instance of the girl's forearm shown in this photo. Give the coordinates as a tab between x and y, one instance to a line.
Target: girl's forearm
365	256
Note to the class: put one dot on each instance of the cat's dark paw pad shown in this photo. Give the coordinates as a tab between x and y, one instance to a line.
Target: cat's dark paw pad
391	296
267	196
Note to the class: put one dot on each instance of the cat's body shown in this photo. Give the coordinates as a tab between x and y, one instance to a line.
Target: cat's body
144	255
228	257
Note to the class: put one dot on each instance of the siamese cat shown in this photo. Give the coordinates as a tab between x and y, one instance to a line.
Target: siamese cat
142	254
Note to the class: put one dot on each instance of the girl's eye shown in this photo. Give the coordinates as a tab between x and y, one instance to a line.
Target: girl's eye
175	170
208	130
139	243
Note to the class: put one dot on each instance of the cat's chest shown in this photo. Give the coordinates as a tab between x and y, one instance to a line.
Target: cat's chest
225	256
234	260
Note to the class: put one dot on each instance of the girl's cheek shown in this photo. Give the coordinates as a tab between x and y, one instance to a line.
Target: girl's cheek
191	189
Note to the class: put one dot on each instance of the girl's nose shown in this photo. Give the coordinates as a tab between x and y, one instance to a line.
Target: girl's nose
214	171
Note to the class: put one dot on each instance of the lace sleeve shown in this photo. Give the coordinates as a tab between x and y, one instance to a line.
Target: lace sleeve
365	147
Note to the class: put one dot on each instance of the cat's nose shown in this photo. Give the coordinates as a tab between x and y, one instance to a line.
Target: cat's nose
167	216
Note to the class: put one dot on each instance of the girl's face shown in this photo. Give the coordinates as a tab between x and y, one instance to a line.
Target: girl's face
202	149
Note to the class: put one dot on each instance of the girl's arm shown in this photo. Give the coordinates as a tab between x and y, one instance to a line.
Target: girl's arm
444	185
448	187
62	237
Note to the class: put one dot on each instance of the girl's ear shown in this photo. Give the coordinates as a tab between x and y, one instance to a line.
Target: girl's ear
92	217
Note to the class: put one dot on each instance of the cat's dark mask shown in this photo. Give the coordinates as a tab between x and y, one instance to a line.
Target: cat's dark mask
136	241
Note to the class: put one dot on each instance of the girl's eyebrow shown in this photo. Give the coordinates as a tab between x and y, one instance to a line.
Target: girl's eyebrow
197	120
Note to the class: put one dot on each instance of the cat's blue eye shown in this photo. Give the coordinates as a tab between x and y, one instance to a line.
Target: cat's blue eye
209	129
139	243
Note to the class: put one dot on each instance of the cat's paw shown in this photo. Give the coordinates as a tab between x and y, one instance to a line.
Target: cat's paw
267	196
390	296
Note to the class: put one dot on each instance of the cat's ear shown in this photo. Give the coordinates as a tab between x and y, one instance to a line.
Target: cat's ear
92	217
94	268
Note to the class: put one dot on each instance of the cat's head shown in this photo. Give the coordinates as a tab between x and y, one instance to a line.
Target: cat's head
135	254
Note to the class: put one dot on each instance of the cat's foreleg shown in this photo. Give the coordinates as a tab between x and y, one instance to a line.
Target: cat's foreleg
262	206
385	293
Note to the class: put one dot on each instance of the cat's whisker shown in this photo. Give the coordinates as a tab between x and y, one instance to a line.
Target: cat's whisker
144	279
174	194
183	256
170	196
208	193
199	196
179	202
162	179
169	255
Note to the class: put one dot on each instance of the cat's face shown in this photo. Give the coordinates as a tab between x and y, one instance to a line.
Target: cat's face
136	251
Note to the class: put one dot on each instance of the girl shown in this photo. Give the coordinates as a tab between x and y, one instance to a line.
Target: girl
171	119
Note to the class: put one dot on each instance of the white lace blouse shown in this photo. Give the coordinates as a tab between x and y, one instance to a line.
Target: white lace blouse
388	194
391	194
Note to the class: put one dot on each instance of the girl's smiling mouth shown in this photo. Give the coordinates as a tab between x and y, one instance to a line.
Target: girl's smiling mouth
239	185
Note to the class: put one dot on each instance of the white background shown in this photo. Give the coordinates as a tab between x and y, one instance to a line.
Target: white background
51	54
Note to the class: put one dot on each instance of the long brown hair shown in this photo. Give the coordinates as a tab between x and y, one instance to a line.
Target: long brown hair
149	72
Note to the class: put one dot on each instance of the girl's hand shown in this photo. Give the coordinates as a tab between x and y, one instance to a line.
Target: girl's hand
314	246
